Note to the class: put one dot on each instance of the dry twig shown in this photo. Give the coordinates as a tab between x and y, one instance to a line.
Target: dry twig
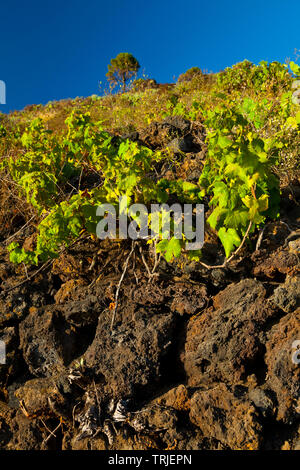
119	285
51	432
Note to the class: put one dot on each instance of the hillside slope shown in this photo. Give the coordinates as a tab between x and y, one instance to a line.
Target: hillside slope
121	344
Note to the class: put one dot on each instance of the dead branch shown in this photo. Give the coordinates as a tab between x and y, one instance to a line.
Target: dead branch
19	231
119	285
51	432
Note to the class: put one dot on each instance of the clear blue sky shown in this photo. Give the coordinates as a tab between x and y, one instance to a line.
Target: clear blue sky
60	49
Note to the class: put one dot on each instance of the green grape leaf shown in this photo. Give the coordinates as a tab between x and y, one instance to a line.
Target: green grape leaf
236	219
216	216
229	239
224	141
169	248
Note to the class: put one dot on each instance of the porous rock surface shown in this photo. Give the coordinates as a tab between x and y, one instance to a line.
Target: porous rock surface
194	358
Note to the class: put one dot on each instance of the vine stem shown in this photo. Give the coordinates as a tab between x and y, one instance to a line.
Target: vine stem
44	266
233	254
119	286
21	229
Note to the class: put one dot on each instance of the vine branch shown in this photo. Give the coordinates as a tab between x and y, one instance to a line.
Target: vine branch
233	254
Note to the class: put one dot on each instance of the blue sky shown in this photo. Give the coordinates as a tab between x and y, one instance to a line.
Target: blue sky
60	49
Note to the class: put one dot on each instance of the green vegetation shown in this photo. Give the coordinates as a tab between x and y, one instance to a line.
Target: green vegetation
273	76
122	68
68	157
237	174
190	74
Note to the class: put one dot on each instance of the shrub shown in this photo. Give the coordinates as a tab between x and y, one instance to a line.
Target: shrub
190	74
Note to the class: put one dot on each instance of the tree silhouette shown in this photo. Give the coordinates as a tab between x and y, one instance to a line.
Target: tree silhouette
122	68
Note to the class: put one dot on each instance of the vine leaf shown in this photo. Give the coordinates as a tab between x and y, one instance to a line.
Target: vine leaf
169	248
229	239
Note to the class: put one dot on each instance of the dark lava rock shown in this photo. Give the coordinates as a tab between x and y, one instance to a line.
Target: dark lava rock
17	432
178	122
183	297
12	363
131	356
133	136
280	262
225	342
262	401
48	342
287	296
174	132
184	144
283	372
188	298
212	411
34	396
48	397
13	307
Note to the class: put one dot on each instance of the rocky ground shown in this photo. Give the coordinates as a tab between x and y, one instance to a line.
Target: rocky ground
197	358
